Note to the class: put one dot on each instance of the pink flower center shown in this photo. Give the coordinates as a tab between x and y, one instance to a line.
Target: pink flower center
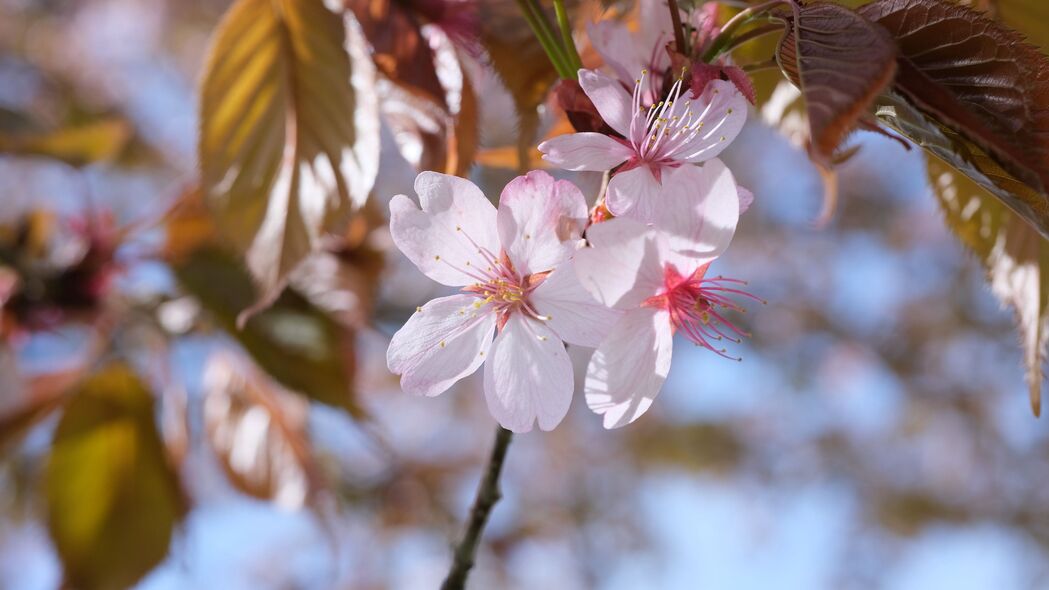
669	131
696	305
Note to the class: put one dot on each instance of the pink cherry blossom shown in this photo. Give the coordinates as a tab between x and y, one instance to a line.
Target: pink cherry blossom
626	53
675	132
510	266
658	278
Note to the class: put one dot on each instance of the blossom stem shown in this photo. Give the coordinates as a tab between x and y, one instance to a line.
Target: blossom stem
540	26
679	29
566	35
487	495
725	35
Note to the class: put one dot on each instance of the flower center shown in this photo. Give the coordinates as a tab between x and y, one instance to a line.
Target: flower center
696	305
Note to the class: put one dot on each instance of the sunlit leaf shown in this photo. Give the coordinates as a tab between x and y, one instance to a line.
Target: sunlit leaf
97	141
112	498
289	130
258	433
841	62
1014	255
982	83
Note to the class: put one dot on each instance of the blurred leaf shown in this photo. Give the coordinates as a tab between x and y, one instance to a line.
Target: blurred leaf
697	446
98	141
1014	255
1030	17
985	86
841	62
521	64
112	498
288	145
297	344
258	433
466	133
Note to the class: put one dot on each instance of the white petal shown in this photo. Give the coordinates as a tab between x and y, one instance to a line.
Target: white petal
529	377
628	370
540	220
610	98
623	267
585	151
617	48
746	198
440	344
633	194
574	315
698	212
723	110
444	237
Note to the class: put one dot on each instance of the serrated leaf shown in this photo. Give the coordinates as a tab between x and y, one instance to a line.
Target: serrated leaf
289	130
986	90
841	62
258	433
1014	255
113	500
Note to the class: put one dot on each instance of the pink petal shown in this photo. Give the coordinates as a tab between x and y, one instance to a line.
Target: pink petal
723	110
585	151
656	30
633	193
443	238
610	99
575	316
746	198
440	344
540	221
616	46
628	370
623	267
698	212
529	377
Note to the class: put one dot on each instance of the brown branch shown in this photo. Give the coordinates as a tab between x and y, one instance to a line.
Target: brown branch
487	495
679	30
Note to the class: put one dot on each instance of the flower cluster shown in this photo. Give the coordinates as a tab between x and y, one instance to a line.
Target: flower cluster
534	275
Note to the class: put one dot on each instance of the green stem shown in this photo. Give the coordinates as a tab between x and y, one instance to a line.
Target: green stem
487	495
543	33
724	37
566	35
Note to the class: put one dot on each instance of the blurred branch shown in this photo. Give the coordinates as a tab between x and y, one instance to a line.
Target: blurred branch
487	495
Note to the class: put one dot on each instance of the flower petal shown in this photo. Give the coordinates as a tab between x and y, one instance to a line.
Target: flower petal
610	99
540	221
633	193
623	268
698	212
617	48
529	377
723	110
628	370
585	151
444	237
575	316
446	340
746	198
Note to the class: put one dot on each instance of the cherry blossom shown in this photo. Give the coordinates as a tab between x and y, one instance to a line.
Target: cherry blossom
677	131
508	264
658	278
626	53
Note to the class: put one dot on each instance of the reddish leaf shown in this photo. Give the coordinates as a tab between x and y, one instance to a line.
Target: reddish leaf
579	109
841	62
981	81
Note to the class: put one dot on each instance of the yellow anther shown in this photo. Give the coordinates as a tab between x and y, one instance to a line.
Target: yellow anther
418	310
442	343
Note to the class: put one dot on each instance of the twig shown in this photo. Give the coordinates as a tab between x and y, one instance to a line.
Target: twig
487	495
679	30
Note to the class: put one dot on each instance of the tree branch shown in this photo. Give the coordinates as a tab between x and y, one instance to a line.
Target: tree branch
487	495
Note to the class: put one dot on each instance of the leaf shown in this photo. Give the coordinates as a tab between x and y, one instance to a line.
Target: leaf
289	130
521	64
112	498
985	88
297	344
1014	255
258	433
98	141
841	62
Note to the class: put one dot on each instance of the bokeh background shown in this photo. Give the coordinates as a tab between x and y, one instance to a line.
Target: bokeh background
876	434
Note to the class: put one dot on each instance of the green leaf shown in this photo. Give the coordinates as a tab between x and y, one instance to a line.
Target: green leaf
300	346
1014	255
113	500
289	130
98	141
